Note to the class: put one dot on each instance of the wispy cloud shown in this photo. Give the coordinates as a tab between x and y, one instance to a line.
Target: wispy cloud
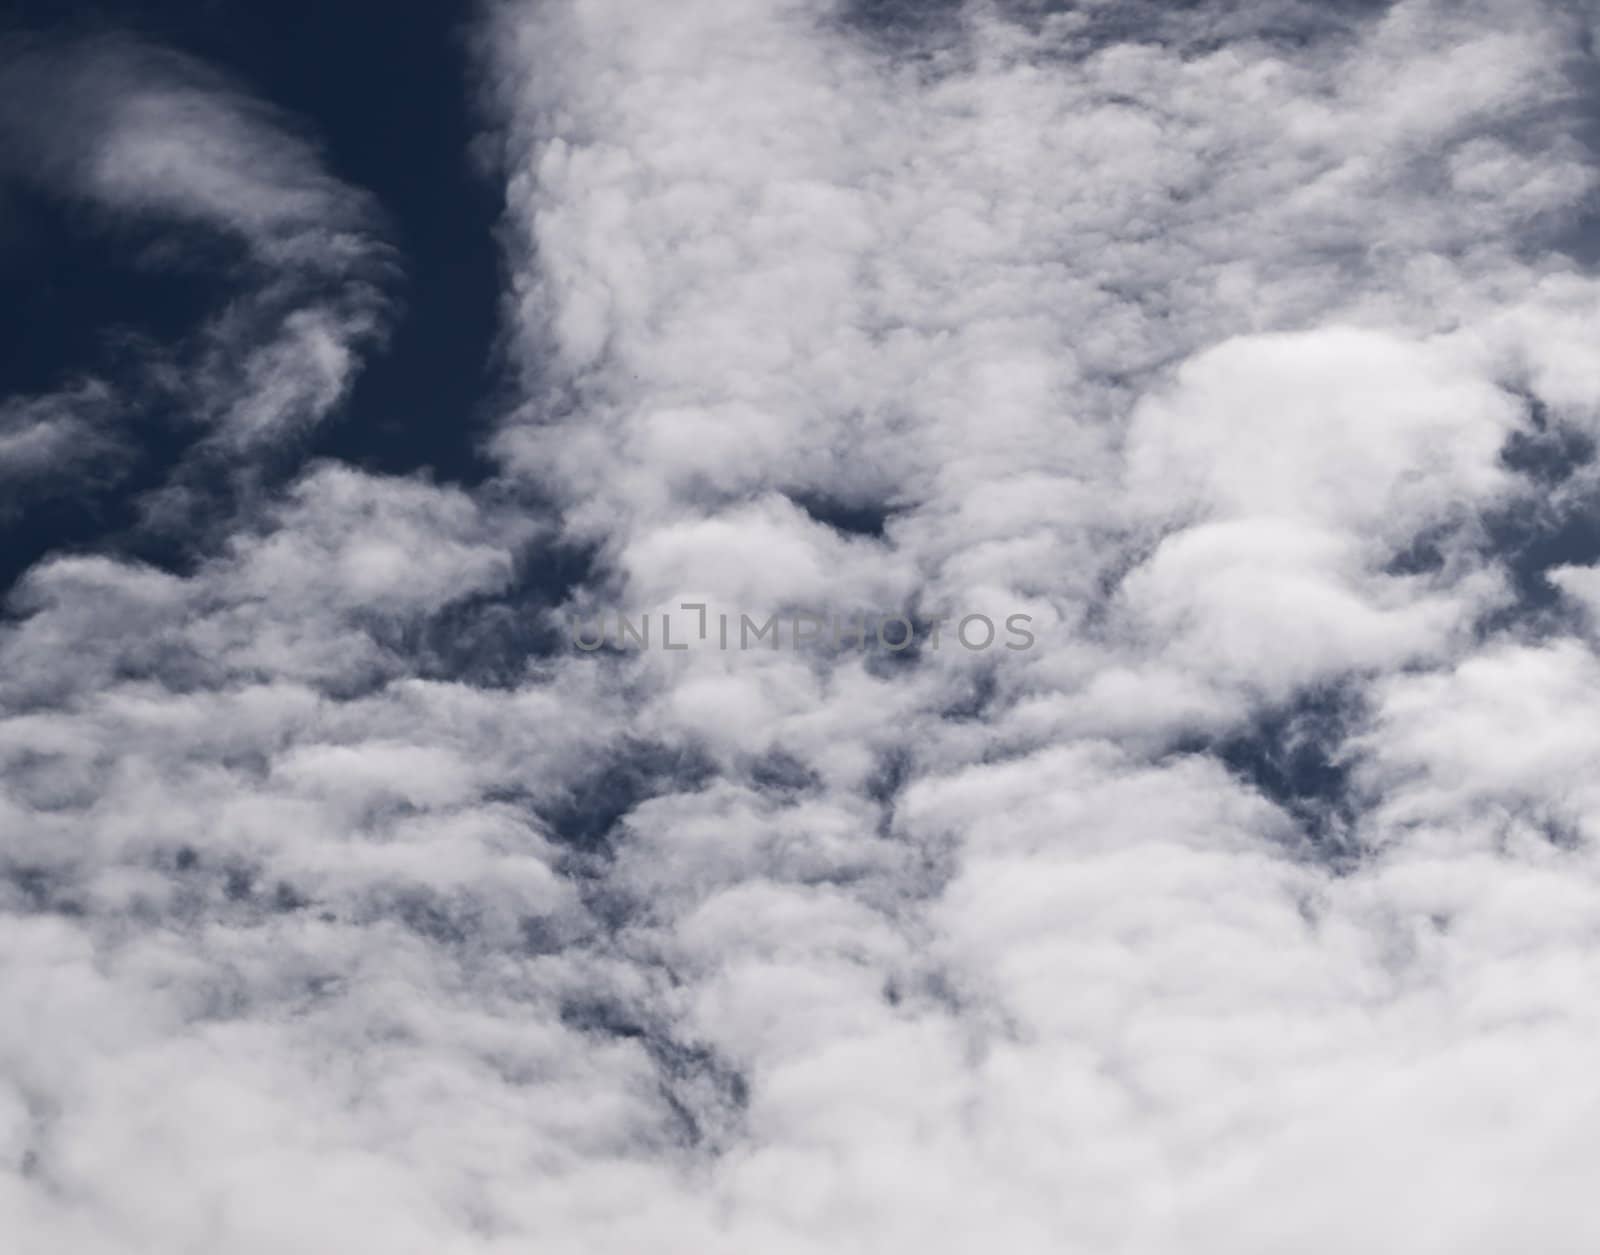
145	135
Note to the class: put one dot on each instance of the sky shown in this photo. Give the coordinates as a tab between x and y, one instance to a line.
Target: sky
1233	362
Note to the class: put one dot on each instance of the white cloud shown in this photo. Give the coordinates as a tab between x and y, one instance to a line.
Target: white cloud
1181	346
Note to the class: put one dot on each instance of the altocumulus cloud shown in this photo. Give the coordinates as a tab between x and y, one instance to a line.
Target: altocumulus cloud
1254	909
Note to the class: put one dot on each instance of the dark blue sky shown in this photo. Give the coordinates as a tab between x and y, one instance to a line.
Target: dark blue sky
383	89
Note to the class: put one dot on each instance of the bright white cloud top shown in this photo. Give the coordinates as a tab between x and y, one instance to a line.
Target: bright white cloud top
1217	342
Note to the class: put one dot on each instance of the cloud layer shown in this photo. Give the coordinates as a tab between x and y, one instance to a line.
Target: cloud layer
346	904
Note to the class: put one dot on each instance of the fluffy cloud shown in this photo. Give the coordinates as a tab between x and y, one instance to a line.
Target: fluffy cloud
1201	338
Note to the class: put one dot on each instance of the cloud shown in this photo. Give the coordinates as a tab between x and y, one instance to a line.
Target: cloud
1205	338
147	136
46	439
